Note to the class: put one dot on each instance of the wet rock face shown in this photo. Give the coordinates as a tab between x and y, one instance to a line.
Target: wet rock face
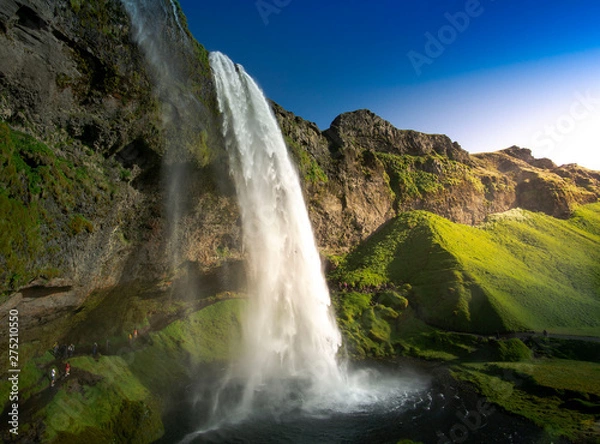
72	72
73	78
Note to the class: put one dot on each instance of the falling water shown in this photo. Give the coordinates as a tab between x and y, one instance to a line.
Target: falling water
289	365
176	15
290	338
157	29
289	332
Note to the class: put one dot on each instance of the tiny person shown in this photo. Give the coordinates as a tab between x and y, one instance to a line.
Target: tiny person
67	369
52	376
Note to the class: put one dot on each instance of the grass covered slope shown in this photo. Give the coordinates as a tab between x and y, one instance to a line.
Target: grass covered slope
119	395
518	271
559	396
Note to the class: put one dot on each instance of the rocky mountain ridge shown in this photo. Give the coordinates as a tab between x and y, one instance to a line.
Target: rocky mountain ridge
89	161
371	171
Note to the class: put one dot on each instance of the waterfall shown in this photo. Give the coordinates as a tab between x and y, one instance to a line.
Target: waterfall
176	15
289	331
288	362
157	30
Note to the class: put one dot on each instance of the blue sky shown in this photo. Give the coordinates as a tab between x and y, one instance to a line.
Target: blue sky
488	73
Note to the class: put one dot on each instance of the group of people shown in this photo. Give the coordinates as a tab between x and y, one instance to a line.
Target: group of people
53	373
63	351
67	351
133	336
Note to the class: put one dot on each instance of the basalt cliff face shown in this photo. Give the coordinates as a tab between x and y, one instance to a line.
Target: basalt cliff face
96	156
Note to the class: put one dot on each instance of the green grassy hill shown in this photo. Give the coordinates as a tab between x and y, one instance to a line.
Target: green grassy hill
518	271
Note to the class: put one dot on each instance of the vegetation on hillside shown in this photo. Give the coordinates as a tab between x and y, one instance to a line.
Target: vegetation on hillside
310	171
46	195
121	392
561	397
419	177
518	271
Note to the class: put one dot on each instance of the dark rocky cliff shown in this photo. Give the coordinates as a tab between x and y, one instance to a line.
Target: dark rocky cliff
70	70
109	178
86	192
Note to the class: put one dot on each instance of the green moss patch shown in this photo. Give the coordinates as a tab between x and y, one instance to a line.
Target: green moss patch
208	335
117	405
562	375
384	325
560	348
118	395
513	350
419	177
309	169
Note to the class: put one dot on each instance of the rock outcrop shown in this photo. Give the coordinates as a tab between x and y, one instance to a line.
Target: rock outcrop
365	129
371	171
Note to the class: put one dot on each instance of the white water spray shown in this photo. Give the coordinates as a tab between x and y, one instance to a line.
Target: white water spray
289	330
